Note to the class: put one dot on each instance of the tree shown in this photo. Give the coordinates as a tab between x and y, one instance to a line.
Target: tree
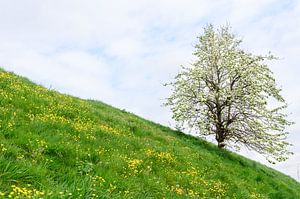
226	93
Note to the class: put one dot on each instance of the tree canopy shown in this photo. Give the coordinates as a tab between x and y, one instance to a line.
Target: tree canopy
226	92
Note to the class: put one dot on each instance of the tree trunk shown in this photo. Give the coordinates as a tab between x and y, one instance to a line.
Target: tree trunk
220	139
221	144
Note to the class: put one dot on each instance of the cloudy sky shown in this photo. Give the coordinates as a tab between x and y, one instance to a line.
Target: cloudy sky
121	52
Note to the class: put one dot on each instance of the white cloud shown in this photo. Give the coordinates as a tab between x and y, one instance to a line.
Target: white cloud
122	52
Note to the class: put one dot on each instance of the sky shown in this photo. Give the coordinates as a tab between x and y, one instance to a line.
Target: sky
121	52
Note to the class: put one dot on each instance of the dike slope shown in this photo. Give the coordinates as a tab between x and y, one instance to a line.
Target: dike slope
58	146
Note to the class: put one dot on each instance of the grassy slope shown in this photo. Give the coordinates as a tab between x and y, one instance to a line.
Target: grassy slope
58	146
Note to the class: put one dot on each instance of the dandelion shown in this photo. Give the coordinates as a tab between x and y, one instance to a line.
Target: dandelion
134	164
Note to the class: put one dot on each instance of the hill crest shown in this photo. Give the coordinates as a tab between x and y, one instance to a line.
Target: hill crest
58	146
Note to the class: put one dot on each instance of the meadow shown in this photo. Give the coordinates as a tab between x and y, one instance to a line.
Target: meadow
58	146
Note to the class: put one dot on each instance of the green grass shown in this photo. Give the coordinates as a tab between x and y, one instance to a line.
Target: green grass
58	146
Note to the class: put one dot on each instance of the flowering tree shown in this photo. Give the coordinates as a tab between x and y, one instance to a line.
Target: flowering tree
226	92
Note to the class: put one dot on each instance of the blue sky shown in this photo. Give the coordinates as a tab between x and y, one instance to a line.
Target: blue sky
121	52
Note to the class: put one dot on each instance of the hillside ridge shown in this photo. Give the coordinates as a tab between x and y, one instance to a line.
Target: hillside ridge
58	146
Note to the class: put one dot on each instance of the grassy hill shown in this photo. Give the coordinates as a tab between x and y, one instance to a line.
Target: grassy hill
57	146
